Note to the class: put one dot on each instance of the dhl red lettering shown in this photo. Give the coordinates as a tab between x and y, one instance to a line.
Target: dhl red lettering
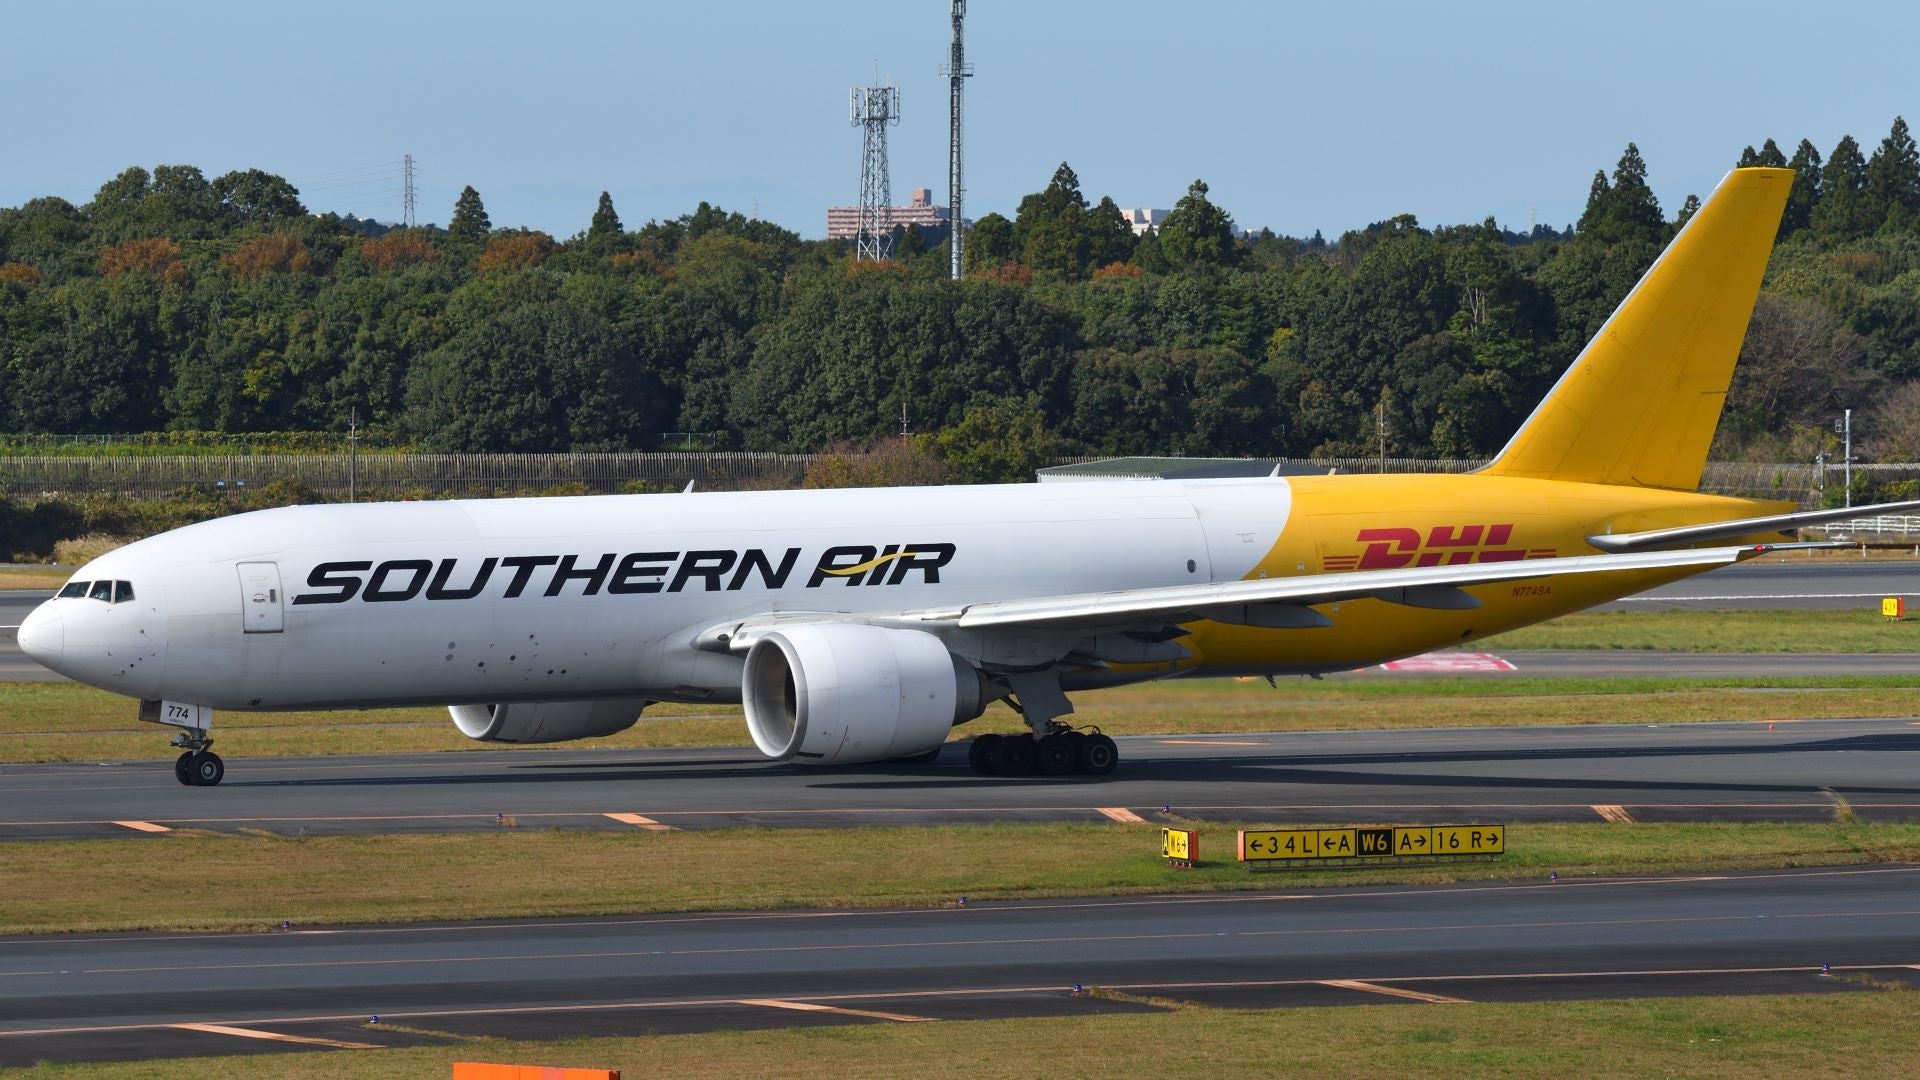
1459	558
1498	534
1387	549
1430	558
1456	536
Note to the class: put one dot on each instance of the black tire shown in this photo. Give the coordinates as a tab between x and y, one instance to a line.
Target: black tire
980	754
206	769
1013	756
1055	755
180	772
1098	755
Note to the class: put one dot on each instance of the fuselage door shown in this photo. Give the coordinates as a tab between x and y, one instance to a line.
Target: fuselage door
260	601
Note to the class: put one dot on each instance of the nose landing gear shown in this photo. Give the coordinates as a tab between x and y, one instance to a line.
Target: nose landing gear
199	768
197	765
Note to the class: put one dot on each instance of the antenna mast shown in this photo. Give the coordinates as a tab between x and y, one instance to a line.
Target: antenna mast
957	72
873	108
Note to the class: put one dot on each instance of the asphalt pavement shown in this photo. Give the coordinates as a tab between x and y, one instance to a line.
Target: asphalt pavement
125	996
1798	771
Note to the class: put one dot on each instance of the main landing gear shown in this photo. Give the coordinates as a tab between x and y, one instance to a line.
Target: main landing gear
1059	752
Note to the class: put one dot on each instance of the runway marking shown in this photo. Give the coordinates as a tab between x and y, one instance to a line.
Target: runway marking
978	991
1393	991
275	1036
808	1006
1615	814
1122	815
646	823
142	826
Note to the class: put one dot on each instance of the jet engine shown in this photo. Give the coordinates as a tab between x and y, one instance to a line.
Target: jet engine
844	693
546	721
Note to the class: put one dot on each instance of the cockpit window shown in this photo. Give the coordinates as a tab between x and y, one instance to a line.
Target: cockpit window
102	590
122	591
75	588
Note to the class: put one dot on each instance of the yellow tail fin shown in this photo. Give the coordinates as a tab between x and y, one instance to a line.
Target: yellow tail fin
1641	403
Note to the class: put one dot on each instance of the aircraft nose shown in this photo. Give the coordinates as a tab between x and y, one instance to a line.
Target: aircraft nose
43	636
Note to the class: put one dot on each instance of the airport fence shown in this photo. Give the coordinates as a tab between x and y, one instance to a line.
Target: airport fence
401	474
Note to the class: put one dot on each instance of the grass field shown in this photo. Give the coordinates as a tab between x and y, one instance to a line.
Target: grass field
1856	631
56	886
1862	1034
70	722
33	577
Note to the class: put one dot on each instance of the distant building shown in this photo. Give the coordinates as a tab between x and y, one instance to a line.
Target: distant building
843	222
1142	220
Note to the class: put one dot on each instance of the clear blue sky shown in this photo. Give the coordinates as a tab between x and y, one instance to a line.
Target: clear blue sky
1300	116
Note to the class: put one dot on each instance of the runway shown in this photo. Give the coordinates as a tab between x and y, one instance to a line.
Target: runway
1786	582
104	997
1800	771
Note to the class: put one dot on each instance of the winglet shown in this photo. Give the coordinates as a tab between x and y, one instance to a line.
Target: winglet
1640	405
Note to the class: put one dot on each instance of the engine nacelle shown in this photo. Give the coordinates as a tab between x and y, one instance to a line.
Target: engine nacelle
843	693
546	721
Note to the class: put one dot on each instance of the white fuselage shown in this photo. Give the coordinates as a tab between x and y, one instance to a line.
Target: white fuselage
592	597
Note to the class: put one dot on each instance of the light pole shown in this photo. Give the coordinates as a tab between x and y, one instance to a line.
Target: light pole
1844	428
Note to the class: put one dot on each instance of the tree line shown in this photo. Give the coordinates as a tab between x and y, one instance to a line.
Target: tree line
171	301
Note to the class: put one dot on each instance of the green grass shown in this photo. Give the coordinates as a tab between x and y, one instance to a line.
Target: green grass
1859	631
74	885
1864	1034
46	721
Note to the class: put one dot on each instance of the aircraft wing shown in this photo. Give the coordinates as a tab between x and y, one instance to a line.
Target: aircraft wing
1272	602
1725	530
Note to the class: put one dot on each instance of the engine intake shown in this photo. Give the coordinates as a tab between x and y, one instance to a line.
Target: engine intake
844	693
546	721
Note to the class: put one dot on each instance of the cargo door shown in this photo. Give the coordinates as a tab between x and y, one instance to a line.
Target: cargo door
260	598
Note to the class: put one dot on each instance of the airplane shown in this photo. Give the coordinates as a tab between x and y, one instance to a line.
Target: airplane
859	626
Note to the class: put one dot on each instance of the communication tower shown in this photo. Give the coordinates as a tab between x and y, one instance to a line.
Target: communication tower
406	191
873	108
957	72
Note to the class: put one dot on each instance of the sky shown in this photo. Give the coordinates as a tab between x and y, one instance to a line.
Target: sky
1300	117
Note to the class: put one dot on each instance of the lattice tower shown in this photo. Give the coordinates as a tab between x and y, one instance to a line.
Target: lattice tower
874	108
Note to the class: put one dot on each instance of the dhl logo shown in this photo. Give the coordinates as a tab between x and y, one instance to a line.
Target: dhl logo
1443	545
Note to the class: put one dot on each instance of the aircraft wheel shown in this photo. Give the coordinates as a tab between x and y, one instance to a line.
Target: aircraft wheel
180	772
1098	755
205	769
1013	756
1055	755
980	754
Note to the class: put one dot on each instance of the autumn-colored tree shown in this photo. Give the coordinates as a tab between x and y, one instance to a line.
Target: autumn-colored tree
1117	270
516	251
396	251
1008	273
19	273
275	253
155	255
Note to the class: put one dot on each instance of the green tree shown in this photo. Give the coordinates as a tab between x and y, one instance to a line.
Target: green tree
1109	237
254	196
469	217
989	242
1844	212
1051	227
1805	195
999	442
1892	180
605	229
1625	209
1197	232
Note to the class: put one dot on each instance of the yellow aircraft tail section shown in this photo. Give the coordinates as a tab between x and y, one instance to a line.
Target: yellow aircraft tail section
1641	403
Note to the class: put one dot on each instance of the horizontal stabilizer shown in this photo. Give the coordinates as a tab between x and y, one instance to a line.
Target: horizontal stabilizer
1655	539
